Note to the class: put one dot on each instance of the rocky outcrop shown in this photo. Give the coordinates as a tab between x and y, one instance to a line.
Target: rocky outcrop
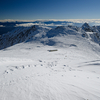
86	27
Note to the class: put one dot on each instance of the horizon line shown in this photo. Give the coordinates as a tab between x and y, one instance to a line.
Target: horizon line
69	20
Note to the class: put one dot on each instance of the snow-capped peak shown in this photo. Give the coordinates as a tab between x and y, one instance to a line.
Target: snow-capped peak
86	27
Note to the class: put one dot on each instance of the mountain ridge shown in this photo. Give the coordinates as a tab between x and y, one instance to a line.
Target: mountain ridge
39	33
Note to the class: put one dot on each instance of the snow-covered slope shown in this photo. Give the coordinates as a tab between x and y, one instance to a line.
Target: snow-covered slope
50	64
43	34
21	34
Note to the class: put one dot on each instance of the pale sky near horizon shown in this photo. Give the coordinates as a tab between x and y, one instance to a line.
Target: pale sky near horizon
49	9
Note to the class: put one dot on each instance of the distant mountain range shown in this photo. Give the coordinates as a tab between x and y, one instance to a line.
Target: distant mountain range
45	34
9	26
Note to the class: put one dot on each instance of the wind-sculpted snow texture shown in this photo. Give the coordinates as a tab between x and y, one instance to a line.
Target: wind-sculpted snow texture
62	63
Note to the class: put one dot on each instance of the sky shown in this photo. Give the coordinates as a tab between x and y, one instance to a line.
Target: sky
49	9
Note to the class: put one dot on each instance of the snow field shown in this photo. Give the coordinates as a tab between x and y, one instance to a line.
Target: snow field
59	75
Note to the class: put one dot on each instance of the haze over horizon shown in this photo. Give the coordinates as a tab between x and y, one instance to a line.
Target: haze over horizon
49	9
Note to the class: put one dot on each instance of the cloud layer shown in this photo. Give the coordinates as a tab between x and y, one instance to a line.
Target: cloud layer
2	26
42	22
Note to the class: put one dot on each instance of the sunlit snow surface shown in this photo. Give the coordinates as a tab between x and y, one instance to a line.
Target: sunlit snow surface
70	71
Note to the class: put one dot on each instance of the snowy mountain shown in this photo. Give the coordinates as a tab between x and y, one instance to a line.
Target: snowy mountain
19	35
86	27
43	34
43	63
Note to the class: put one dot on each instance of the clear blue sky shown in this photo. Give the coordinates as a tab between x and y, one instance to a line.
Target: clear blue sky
49	9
